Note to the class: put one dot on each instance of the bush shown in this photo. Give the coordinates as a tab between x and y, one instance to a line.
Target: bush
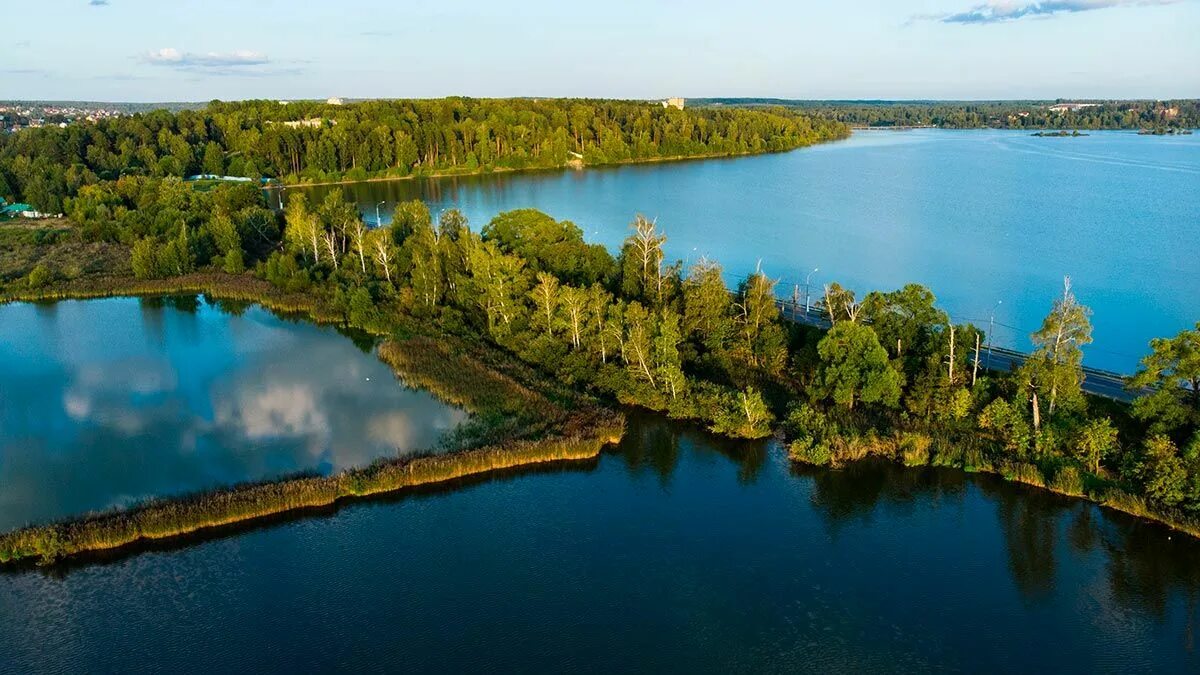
811	452
1068	481
914	450
40	276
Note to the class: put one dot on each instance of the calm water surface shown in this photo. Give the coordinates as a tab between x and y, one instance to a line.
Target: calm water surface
673	552
108	402
978	216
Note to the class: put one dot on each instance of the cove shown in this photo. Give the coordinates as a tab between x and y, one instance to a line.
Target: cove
674	551
110	402
980	217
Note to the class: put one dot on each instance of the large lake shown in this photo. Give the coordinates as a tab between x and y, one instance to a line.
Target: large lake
980	217
674	552
108	402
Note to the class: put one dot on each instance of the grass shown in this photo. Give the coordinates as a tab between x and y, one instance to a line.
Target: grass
167	518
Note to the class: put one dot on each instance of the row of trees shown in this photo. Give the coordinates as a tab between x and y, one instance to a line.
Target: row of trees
317	141
1184	113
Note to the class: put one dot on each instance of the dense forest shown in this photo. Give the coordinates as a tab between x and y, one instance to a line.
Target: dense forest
317	141
1179	114
894	375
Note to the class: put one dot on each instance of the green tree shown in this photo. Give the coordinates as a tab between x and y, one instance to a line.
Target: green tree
1093	441
854	368
1055	369
1172	374
1162	472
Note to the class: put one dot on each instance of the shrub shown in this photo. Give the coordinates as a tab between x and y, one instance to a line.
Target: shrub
40	276
1068	481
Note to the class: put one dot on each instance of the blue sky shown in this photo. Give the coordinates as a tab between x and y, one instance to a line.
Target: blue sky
169	50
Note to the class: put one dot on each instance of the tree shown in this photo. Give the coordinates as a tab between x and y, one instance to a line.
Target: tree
302	231
550	246
214	159
383	250
1093	441
762	342
706	306
574	304
667	363
840	304
642	261
1055	369
1162	472
1172	374
545	297
854	367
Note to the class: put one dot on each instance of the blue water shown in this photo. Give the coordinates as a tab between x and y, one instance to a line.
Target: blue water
104	403
981	217
672	553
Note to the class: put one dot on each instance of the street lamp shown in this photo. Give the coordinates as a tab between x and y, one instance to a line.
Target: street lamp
807	295
378	220
280	195
991	329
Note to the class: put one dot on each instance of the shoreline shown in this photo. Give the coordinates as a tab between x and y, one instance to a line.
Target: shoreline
287	184
918	450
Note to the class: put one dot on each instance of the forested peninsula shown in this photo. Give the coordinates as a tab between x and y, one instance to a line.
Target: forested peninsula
309	141
574	323
1135	115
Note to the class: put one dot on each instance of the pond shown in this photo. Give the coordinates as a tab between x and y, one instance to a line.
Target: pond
104	403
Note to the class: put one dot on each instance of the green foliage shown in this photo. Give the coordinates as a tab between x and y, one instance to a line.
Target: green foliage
39	276
1172	372
1161	470
383	138
854	368
1008	426
1095	440
550	246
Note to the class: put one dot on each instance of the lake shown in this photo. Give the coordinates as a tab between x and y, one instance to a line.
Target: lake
672	552
980	217
104	403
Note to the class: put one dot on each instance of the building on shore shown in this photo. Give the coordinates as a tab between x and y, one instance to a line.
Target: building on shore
1071	107
673	103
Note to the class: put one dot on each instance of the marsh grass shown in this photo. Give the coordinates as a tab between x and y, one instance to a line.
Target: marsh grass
167	518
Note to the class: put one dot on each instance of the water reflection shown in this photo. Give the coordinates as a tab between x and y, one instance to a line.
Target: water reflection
105	403
1049	542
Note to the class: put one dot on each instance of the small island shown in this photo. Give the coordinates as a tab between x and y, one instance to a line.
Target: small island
1058	134
1164	131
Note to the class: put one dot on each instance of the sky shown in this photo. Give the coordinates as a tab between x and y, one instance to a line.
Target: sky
193	50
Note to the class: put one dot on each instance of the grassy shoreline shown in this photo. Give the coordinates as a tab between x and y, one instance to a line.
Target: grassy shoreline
534	430
918	449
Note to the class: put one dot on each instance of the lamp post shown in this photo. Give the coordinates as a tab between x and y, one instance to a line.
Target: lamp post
991	329
807	295
378	220
280	195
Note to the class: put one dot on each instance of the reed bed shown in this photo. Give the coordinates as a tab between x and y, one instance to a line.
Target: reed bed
244	287
590	431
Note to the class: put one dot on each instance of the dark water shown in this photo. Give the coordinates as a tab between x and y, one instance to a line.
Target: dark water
978	216
674	552
108	402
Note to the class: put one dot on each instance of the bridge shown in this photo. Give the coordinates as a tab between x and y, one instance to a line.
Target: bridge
1097	382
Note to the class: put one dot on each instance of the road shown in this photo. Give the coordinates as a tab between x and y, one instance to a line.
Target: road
1095	381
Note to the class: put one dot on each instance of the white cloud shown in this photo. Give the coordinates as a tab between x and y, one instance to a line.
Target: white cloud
170	56
998	11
